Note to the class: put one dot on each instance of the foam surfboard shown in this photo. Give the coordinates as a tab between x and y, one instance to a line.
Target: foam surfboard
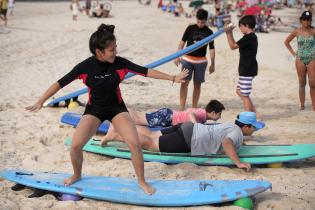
74	118
122	190
74	95
254	154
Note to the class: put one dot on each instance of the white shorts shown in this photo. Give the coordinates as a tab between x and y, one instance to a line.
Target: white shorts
245	85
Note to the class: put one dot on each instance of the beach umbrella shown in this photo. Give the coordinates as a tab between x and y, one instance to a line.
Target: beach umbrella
241	4
253	10
197	3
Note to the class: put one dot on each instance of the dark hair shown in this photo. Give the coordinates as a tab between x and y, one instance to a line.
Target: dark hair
102	37
214	105
202	14
248	20
306	15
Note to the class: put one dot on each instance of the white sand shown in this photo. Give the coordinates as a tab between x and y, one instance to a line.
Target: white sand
45	43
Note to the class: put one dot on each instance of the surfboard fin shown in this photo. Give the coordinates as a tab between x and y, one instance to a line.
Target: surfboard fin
17	187
38	193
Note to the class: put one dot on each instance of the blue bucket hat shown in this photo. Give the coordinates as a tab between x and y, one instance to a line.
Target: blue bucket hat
249	118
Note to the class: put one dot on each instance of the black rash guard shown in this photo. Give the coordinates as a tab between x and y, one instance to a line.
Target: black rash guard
102	80
194	34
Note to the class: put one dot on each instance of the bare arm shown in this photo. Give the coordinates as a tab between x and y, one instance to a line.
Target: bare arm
180	46
52	90
291	36
212	58
230	151
192	117
232	43
179	78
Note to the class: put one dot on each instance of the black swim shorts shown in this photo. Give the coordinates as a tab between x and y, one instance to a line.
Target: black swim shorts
105	113
172	140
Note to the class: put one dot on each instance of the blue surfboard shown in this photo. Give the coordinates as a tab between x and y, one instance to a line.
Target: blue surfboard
197	45
74	118
122	190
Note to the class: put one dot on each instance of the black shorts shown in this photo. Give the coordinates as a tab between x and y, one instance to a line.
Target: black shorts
105	113
3	12
172	140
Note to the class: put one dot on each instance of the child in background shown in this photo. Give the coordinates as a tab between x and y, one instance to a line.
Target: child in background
196	62
3	11
248	66
75	7
11	6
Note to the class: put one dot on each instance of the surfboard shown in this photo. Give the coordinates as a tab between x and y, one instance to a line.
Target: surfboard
122	190
253	154
74	118
197	45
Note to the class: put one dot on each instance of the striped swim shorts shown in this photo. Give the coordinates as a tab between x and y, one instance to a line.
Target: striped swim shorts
245	85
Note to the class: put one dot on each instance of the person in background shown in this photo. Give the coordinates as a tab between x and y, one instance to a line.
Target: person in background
196	62
305	56
248	66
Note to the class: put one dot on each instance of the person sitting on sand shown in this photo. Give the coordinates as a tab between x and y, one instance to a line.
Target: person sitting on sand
199	139
100	12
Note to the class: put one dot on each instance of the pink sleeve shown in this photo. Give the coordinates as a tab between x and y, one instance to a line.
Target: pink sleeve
201	115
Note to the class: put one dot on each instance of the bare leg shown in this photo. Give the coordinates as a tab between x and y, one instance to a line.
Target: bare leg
247	102
301	72
196	94
109	135
139	119
127	130
183	95
148	139
311	81
85	129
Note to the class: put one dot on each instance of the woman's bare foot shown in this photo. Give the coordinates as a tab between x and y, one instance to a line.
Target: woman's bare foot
72	179
302	108
148	189
105	140
110	136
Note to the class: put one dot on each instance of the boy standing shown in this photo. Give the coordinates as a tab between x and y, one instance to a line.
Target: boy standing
196	61
248	66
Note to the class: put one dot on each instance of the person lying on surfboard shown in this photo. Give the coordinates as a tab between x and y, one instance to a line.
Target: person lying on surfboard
166	117
199	139
102	73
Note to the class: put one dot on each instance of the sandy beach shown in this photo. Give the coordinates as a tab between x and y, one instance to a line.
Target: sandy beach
44	44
